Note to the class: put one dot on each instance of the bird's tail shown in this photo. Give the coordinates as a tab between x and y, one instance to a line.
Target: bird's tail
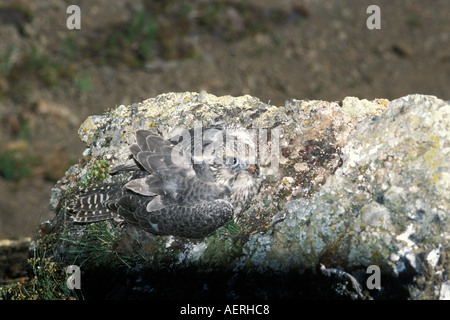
95	203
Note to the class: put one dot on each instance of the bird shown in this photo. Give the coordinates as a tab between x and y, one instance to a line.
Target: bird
187	187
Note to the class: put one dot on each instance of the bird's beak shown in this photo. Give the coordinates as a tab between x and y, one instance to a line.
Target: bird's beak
251	168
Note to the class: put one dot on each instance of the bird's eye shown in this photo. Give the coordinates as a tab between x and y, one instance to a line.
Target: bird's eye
233	162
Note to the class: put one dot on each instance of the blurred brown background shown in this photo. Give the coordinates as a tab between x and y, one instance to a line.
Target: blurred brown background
52	78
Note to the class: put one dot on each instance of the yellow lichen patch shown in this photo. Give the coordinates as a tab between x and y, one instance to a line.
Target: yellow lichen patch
415	121
383	102
433	157
435	177
87	130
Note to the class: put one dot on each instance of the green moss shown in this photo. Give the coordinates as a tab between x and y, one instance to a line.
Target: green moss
233	228
96	173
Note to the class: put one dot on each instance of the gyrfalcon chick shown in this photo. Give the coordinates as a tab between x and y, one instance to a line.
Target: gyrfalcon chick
173	196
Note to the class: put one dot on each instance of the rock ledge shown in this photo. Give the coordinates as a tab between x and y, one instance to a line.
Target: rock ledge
357	183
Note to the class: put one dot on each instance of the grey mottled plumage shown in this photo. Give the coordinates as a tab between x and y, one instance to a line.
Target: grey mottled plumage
171	196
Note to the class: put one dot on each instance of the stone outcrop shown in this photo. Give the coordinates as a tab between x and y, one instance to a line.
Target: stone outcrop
346	185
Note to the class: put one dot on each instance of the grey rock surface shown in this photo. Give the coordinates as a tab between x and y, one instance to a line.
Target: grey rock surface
345	185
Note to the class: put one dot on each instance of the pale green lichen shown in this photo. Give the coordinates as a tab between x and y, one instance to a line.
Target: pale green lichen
357	108
328	228
87	129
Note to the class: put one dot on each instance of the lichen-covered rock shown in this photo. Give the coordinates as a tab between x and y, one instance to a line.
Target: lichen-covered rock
344	186
387	205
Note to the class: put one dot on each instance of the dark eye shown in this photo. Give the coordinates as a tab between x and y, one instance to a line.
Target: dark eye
233	162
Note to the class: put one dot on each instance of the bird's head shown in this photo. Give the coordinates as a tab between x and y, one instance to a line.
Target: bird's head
240	176
233	155
228	156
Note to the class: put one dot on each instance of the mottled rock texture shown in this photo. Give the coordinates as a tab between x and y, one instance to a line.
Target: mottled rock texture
345	185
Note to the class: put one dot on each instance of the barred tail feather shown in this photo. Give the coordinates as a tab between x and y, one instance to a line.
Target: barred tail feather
94	203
